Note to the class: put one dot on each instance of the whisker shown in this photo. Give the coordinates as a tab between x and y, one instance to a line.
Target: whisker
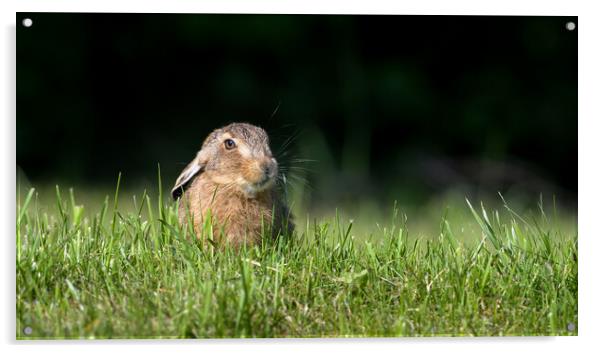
287	142
276	109
303	160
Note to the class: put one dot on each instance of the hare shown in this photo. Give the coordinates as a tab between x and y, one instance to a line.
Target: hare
232	180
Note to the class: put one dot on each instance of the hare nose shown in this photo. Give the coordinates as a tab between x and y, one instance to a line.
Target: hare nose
267	167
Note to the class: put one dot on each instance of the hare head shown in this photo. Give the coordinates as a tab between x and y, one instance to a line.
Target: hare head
235	156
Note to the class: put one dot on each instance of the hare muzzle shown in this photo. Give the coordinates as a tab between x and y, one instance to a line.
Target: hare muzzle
259	174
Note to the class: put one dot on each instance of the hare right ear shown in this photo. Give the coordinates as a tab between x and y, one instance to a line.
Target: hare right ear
192	169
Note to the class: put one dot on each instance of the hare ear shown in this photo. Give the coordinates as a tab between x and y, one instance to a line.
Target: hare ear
192	169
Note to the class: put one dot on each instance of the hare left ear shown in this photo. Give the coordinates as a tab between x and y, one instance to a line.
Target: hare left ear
192	169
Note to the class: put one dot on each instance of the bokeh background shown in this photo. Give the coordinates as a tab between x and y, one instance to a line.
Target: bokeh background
362	110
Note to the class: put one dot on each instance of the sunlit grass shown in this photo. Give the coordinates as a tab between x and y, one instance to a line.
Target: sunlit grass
107	268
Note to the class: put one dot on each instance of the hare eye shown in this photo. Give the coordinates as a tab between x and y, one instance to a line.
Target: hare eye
230	144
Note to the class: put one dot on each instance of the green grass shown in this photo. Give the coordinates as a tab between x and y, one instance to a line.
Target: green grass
138	274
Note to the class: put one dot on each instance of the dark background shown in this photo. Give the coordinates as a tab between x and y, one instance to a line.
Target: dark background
387	107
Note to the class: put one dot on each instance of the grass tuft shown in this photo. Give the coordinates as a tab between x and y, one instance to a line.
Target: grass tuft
136	275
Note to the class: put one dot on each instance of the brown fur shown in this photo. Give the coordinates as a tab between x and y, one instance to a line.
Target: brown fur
236	187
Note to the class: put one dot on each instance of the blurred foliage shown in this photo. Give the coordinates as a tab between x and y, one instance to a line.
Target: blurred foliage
387	107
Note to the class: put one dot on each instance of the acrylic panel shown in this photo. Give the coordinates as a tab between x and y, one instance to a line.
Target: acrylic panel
277	176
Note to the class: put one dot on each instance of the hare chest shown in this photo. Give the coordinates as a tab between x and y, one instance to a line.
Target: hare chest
234	218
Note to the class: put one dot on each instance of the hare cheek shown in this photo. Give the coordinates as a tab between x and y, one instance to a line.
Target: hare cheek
252	173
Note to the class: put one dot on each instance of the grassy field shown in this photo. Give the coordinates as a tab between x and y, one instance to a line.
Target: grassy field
133	272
